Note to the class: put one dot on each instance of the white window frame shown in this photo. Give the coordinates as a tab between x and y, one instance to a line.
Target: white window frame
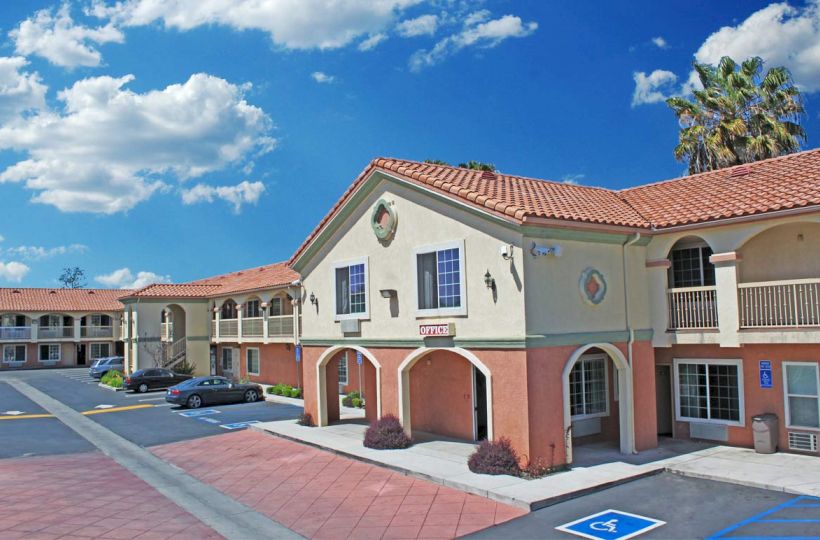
786	394
258	361
462	279
711	361
344	264
98	343
58	318
14	347
278	301
344	361
246	309
605	412
49	345
222	359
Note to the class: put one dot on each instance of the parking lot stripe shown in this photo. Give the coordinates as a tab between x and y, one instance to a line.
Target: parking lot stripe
25	416
118	409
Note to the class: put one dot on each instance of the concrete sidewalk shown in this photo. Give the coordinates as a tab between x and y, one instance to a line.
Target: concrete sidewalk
445	462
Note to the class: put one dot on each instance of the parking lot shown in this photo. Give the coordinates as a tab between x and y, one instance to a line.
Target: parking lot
144	419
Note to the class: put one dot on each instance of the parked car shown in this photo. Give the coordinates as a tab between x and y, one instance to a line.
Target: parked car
153	379
101	366
199	391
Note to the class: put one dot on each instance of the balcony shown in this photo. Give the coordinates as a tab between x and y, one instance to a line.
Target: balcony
692	308
253	327
229	328
280	326
15	333
97	331
55	332
780	304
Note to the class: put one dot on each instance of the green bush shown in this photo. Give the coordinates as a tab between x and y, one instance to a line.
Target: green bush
284	390
353	399
271	390
113	379
184	368
357	402
295	392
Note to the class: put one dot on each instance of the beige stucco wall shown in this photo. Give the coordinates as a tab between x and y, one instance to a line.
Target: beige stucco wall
790	251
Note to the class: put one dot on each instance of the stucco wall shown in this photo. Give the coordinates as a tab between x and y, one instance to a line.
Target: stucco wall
441	395
789	251
277	363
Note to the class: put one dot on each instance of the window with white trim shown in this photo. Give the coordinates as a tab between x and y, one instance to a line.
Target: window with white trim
588	387
14	353
709	390
691	267
49	352
252	361
440	279
343	373
252	309
51	321
100	320
350	285
99	350
227	359
801	381
275	307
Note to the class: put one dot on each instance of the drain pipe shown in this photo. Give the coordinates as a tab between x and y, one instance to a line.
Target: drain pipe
630	342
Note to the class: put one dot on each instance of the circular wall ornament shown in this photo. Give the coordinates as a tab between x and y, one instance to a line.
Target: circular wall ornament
593	286
384	220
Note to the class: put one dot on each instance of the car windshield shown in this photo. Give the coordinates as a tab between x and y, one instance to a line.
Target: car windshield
139	373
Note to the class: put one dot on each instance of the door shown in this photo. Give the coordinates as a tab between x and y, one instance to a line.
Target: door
480	404
663	399
81	354
227	362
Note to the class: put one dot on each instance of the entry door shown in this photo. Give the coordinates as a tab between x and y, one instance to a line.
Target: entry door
81	354
227	362
480	404
663	399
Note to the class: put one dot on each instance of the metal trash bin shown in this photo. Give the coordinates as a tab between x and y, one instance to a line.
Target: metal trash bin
764	427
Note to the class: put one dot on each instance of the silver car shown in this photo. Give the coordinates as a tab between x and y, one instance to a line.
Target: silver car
101	366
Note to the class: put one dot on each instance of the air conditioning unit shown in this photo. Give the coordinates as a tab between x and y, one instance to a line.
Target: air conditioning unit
804	442
350	326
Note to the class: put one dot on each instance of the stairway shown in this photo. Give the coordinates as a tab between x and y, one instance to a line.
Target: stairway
175	354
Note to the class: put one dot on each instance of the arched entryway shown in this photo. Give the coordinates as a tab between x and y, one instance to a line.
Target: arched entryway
329	383
446	391
589	391
173	338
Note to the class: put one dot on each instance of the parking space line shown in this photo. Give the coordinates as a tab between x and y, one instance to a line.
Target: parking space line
793	503
118	409
153	399
25	416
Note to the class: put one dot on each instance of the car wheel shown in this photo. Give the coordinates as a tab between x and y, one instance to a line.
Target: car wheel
194	402
251	396
143	388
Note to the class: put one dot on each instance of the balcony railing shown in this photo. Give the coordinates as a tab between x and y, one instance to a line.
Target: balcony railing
252	327
97	331
228	328
793	303
15	332
55	332
280	326
693	308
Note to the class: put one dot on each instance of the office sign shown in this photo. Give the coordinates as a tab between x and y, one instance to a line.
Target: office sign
437	330
611	525
765	374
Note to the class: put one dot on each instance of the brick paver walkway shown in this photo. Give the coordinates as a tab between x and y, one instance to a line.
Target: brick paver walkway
322	495
84	496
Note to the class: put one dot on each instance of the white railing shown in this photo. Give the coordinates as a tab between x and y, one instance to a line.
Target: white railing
252	327
792	303
166	331
213	329
693	308
55	332
228	328
15	332
280	326
96	331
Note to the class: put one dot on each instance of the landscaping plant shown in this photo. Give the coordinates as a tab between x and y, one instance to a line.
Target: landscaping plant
305	419
353	399
113	378
386	433
495	457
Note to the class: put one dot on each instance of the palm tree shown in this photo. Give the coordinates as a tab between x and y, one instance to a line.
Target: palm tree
477	166
739	116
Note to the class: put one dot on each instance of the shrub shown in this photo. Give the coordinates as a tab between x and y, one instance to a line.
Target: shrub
495	457
184	368
113	379
357	402
295	392
386	433
305	419
347	401
271	390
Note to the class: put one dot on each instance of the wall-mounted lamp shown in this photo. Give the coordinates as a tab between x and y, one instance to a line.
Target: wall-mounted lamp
388	293
506	252
313	299
489	280
541	251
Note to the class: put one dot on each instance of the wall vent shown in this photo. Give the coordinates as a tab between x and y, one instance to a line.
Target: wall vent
804	442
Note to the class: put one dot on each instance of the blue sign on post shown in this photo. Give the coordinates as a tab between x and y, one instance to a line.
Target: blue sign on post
298	353
611	525
765	374
359	358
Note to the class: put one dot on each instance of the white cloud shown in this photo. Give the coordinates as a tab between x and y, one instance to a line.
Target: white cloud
477	32
659	42
322	78
13	271
650	88
242	193
35	253
294	24
56	38
19	91
124	279
424	25
112	148
573	179
371	42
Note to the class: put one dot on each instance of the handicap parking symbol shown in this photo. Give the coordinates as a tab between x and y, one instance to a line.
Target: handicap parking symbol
239	425
198	412
611	525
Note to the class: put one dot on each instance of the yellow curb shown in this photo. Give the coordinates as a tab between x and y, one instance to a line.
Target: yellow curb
118	409
25	416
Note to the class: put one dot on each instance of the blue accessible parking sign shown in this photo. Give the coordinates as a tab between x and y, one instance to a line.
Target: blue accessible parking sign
611	525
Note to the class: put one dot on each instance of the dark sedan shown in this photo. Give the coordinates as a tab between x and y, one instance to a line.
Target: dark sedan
194	393
153	379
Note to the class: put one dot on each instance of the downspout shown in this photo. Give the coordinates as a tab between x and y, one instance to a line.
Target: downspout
631	340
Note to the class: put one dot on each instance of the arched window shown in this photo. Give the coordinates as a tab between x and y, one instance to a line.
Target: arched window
229	309
690	264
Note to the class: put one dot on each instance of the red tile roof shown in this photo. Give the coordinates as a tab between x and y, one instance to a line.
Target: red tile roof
791	181
262	277
60	300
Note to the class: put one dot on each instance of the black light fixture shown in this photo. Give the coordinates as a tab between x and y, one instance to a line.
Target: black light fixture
489	280
313	299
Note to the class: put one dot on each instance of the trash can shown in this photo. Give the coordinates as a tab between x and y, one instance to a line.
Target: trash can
764	427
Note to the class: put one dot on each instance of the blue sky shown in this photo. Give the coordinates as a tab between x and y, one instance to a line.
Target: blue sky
146	140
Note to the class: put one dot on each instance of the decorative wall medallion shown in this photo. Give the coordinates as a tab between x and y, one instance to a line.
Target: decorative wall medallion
593	286
384	220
